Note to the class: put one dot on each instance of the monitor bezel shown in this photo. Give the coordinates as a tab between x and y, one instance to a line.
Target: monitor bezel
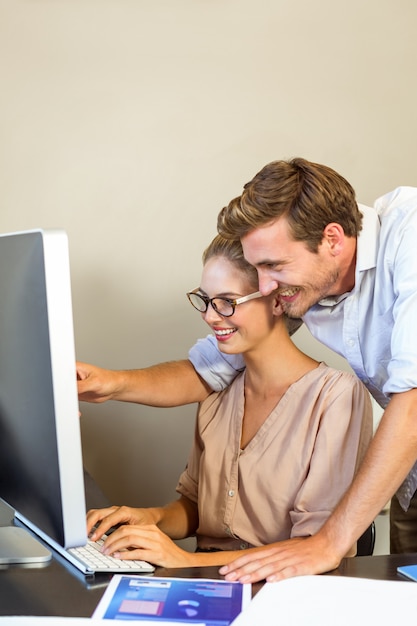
56	268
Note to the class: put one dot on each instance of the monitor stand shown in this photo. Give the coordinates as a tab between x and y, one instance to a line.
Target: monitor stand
17	545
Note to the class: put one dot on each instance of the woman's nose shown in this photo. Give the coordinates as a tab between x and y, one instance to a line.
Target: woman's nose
210	316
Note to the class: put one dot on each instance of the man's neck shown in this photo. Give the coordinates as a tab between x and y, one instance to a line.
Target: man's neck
347	266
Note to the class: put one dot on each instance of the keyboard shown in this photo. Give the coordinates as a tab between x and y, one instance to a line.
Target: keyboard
91	560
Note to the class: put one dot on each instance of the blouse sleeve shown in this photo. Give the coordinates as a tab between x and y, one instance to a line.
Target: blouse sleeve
342	439
188	481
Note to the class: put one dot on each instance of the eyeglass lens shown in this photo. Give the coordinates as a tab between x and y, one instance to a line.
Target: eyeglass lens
222	306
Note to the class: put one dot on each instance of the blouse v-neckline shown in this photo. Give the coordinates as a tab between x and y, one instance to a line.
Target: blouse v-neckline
275	411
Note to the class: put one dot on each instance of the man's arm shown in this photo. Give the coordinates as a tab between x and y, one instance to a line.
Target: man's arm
167	384
390	457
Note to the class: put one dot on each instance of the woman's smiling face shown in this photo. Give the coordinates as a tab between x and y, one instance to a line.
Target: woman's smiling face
251	321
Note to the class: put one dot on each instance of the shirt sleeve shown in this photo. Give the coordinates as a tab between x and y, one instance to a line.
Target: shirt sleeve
216	368
400	271
342	440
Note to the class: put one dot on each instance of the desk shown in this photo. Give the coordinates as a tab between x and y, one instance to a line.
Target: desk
379	567
58	589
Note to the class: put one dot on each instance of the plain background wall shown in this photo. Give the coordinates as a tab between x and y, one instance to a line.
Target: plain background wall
131	123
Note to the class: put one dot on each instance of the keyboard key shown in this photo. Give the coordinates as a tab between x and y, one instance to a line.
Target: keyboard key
91	556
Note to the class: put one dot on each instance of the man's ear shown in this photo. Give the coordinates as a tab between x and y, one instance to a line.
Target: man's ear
277	309
334	237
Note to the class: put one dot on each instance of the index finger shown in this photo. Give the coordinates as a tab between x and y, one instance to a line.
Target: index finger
99	521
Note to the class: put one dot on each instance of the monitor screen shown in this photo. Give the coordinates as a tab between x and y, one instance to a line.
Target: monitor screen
41	469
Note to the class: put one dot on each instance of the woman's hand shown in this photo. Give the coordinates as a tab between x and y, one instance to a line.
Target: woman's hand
145	543
99	521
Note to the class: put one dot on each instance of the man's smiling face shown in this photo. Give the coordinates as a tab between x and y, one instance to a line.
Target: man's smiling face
302	277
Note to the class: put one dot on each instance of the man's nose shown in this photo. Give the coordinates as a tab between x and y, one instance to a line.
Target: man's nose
267	285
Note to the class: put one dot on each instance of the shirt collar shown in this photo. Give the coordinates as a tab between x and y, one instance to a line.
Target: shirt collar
366	252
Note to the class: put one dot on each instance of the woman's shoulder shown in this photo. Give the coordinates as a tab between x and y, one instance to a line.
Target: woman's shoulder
218	400
340	379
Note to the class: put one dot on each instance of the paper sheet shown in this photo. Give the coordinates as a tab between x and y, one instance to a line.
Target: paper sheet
330	600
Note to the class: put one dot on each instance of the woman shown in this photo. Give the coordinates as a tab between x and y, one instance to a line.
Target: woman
272	454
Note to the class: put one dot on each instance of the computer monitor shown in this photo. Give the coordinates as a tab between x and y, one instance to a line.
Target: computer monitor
41	468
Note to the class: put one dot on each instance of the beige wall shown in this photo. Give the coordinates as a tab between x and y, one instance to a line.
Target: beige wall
130	123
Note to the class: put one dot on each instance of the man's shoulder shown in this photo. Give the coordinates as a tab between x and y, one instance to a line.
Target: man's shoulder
397	205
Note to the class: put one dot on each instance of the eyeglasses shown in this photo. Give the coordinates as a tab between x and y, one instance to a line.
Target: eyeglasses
223	306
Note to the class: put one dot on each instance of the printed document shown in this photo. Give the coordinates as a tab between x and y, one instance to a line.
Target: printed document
160	601
330	600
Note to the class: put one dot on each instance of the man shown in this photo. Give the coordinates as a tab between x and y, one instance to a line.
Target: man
351	274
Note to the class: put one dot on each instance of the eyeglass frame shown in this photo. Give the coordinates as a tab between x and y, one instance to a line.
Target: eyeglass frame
232	303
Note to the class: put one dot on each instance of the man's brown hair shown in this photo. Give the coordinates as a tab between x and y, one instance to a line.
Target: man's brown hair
308	195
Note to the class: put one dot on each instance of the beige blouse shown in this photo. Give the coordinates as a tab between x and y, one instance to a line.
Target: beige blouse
291	475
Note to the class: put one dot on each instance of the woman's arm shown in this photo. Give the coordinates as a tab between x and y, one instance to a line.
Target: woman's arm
146	540
178	519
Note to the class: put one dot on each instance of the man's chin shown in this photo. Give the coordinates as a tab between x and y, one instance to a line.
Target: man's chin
295	311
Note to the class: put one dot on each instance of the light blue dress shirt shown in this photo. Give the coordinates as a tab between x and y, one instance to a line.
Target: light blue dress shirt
374	326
